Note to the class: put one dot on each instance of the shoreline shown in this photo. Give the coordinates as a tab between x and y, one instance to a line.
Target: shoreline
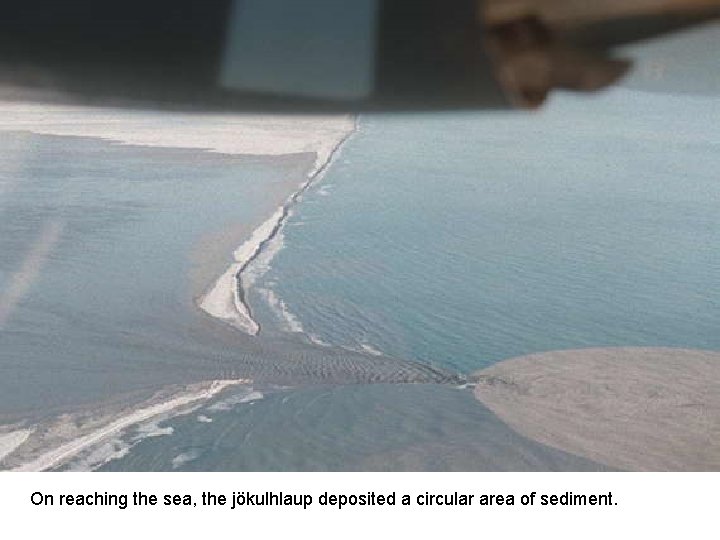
12	440
630	408
95	432
63	438
227	298
232	134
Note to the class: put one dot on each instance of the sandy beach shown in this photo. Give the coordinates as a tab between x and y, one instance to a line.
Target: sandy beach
303	146
137	236
226	299
71	435
638	409
261	135
252	135
11	440
139	350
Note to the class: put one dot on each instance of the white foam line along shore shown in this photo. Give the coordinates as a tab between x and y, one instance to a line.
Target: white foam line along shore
291	322
258	135
226	300
10	441
60	455
269	135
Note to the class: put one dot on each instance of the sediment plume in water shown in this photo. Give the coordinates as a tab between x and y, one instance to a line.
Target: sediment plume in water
639	409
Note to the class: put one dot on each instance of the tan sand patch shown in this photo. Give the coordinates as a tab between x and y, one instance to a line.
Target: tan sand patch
630	408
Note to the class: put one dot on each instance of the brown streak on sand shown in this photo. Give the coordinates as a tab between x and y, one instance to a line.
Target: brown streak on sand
212	252
640	409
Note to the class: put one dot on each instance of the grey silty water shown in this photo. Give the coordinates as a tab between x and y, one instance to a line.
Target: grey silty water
111	306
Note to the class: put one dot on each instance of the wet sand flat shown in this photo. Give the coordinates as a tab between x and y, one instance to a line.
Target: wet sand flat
640	409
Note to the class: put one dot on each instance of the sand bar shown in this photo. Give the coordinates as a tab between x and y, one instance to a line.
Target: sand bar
62	453
266	135
258	135
11	440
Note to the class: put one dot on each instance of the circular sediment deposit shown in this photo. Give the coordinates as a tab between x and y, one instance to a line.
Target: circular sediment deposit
635	409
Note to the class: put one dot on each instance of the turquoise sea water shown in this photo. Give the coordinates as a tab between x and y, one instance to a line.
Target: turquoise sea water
454	240
466	239
105	237
462	240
